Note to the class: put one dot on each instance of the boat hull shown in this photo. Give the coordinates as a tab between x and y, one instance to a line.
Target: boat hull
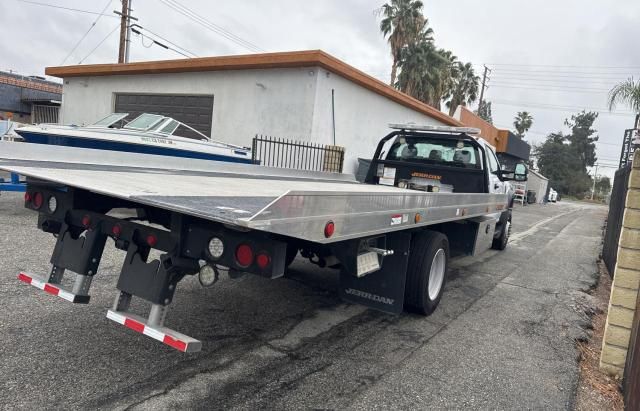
111	145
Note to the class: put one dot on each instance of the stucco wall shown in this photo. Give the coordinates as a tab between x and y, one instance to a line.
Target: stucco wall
274	102
362	117
292	103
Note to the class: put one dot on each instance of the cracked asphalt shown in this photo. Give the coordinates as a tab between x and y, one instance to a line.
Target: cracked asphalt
503	336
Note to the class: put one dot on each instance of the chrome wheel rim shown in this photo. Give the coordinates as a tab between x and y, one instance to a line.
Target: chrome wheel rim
436	274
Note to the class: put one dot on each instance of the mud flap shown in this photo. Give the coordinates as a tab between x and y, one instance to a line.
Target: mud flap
382	290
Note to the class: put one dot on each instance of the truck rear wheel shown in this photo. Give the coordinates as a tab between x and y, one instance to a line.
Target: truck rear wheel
426	272
500	243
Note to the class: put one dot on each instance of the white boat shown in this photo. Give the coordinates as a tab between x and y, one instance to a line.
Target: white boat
145	134
8	130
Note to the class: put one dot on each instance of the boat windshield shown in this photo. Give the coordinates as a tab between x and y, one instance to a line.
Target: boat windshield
144	122
110	120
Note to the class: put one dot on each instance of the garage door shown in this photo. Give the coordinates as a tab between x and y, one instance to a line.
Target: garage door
195	111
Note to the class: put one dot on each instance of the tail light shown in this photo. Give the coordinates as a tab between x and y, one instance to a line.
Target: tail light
27	197
329	229
86	221
263	260
116	230
38	200
244	255
152	240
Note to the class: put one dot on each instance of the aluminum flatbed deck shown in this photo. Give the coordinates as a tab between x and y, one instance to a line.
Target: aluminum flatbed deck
288	202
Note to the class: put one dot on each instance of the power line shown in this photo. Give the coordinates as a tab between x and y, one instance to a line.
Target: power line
559	108
579	90
173	4
136	31
565	109
63	8
610	82
564	66
550	86
168	41
562	106
100	44
87	32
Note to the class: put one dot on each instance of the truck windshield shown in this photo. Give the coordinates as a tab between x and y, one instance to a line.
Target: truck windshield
449	152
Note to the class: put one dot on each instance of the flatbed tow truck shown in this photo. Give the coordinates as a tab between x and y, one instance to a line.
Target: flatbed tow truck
431	193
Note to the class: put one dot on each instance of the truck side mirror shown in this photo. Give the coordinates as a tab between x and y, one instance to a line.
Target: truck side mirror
520	172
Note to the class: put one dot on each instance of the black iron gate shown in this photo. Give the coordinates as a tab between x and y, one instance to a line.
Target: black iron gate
299	155
614	220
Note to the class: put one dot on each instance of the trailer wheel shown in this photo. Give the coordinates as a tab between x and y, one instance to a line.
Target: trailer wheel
500	243
426	272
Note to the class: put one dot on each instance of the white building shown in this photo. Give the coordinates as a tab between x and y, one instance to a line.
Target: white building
537	183
306	96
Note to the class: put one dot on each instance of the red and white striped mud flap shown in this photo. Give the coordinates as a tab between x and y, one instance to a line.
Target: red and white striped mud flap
165	335
52	289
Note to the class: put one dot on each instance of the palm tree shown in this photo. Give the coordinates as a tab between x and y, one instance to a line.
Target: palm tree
464	89
522	122
421	69
402	22
627	92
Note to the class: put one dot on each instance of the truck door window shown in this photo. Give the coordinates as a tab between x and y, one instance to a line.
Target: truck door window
449	152
493	161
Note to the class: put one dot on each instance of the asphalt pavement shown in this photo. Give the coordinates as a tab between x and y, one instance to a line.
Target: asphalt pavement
503	336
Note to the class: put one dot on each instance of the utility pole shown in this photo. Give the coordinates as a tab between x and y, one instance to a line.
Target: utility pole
125	32
595	177
484	82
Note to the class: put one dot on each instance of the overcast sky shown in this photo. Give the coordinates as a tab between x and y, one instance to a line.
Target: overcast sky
550	58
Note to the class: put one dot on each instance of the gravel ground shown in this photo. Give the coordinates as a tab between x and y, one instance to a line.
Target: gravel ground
503	336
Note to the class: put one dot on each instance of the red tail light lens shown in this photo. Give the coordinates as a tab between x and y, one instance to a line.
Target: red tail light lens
38	200
263	260
152	240
86	221
27	197
329	229
116	230
244	255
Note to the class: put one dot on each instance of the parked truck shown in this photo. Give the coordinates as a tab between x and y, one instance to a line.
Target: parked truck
431	193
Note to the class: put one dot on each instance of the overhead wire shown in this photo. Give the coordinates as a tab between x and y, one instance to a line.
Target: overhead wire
169	41
185	11
87	32
55	6
100	43
153	41
560	107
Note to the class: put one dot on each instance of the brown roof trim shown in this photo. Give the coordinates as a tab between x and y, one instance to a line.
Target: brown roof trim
310	58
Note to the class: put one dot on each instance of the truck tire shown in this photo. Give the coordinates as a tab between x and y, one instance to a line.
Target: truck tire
426	272
500	243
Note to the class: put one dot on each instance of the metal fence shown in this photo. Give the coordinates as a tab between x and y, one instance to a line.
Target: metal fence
614	220
299	155
44	114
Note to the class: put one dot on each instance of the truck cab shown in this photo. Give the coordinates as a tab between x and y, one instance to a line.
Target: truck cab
448	160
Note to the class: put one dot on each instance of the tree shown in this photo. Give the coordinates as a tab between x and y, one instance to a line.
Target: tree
424	70
582	137
402	22
627	92
484	111
522	122
603	185
464	89
564	158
